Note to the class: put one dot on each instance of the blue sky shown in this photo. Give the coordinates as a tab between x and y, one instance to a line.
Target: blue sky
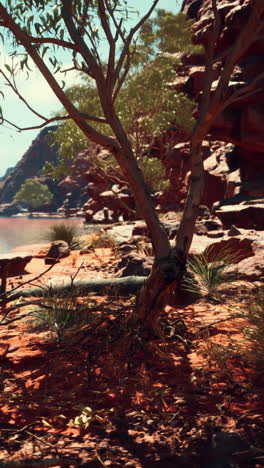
13	143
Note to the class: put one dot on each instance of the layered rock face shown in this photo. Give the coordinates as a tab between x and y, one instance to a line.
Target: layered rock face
241	123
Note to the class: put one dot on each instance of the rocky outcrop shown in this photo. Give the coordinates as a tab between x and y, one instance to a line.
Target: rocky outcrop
241	123
29	166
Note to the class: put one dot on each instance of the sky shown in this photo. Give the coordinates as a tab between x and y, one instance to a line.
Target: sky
37	92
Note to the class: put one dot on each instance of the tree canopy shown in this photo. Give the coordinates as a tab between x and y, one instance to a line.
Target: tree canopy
33	194
147	105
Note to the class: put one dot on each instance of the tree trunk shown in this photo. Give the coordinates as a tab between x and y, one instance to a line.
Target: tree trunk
82	287
167	272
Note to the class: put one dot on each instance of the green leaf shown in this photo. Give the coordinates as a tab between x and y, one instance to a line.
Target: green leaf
44	51
8	68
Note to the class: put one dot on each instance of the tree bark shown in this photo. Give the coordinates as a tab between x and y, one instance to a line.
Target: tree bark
83	287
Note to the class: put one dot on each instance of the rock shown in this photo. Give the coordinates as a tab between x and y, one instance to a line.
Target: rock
200	229
213	225
233	231
140	229
14	264
241	247
30	165
133	264
248	244
121	232
252	268
204	211
241	170
102	216
58	249
215	234
243	216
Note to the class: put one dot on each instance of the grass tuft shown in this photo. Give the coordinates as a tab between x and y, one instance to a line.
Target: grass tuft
62	231
206	277
60	312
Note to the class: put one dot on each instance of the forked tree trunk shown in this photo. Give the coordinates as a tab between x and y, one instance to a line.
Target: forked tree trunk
167	273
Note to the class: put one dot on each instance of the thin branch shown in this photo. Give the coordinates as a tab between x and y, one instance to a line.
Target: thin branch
54	119
210	325
128	40
122	79
94	69
48	40
7	296
22	37
34	127
14	88
111	41
122	203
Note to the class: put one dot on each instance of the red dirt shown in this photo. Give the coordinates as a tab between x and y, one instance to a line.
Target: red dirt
153	402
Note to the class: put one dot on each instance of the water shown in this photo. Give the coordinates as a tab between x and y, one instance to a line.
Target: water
15	232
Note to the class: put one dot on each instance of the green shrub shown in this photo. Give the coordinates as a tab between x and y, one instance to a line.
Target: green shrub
206	277
59	313
254	333
154	173
66	232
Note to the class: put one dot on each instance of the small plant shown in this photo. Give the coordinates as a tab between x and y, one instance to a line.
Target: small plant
254	333
144	247
88	415
101	241
66	232
206	277
59	313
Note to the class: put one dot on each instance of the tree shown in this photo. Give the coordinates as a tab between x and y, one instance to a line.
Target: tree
33	194
147	105
72	25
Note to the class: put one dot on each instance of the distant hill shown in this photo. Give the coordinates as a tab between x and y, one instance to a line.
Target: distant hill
29	166
7	173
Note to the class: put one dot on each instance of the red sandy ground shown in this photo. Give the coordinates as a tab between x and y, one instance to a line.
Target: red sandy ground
152	402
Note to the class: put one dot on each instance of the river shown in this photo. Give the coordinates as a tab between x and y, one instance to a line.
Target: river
15	232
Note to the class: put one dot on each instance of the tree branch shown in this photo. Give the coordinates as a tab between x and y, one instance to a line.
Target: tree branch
14	88
94	69
111	41
23	39
127	42
48	40
54	119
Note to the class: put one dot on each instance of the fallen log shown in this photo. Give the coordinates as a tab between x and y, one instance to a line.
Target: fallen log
82	287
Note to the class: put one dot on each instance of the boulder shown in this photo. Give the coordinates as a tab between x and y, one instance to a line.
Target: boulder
233	231
242	247
134	264
252	268
242	215
14	264
58	249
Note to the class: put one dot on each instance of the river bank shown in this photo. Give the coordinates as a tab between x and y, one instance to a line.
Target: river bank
17	232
